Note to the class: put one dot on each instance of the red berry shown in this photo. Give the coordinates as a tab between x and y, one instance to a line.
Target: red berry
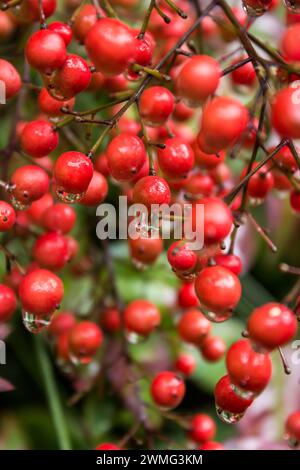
96	191
285	159
186	364
227	400
244	75
72	78
176	159
110	45
219	291
38	138
29	10
50	251
198	79
145	250
143	50
46	51
212	445
203	428
41	292
141	317
38	208
199	184
73	172
101	164
249	371
30	183
187	296
10	77
295	200
231	262
7	216
111	320
272	325
62	348
156	104
260	184
61	323
63	29
182	112
107	446
126	155
181	257
289	43
285	115
213	348
8	303
51	106
151	190
193	327
7	26
84	20
167	389
292	427
85	338
224	119
59	217
207	160
217	221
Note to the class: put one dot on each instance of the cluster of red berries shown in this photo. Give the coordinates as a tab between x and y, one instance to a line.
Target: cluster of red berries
154	158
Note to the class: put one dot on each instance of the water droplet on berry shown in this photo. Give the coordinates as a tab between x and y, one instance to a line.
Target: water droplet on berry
35	324
82	360
133	338
139	264
246	394
256	201
191	103
68	198
293	5
216	317
228	417
19	205
252	11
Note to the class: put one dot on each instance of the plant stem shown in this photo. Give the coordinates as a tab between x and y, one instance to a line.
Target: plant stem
53	397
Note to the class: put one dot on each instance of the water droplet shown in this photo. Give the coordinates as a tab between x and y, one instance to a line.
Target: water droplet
19	205
35	324
246	394
228	417
133	338
81	360
192	103
68	198
256	201
216	317
139	264
254	11
293	5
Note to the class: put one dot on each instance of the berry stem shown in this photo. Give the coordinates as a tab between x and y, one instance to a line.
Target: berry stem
285	268
105	4
233	67
260	230
177	10
286	368
146	19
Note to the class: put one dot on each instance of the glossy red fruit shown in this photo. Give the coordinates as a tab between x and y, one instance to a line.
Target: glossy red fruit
85	338
107	446
143	50
151	190
290	43
141	317
10	77
176	159
207	160
231	262
156	104
292	427
60	217
29	11
260	184
46	51
198	79
217	219
212	445
101	164
227	400
295	200
186	364
213	348
224	119
84	20
41	292
199	184
38	138
62	323
249	371
73	172
110	45
167	389
182	112
97	190
203	428
62	348
8	303
272	325
110	320
7	26
30	182
51	106
181	257
285	115
187	296
7	216
145	250
63	29
72	78
219	291
126	155
50	251
244	75
285	159
193	327
38	208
